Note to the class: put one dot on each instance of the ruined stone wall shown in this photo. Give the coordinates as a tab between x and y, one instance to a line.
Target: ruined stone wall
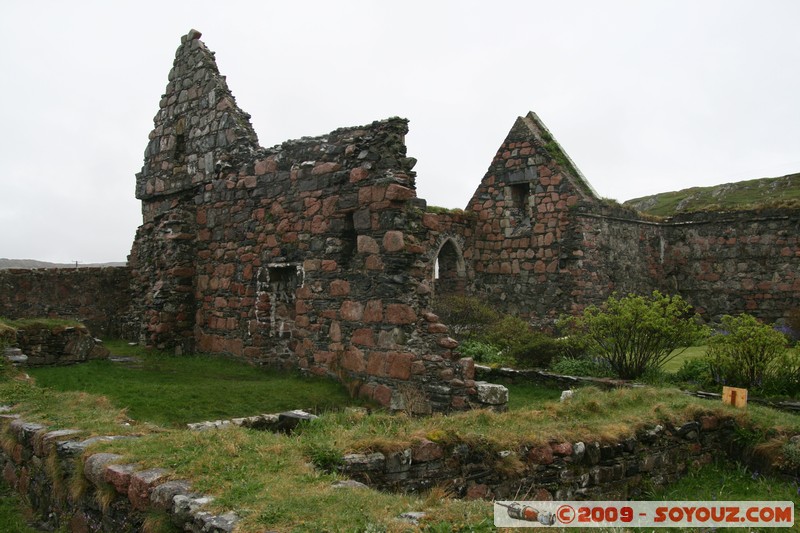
97	297
526	251
739	262
317	254
543	244
615	251
311	254
622	470
42	465
449	252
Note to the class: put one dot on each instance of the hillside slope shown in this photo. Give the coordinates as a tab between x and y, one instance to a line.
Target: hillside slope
751	194
32	263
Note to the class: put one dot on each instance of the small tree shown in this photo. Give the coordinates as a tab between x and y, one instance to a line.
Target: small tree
745	351
636	334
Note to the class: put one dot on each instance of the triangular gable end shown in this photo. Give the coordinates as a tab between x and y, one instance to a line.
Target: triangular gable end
198	131
528	168
550	144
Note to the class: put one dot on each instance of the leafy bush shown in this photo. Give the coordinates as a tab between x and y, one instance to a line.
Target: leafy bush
498	339
636	334
582	366
518	341
537	352
465	315
484	353
784	377
573	346
746	353
694	371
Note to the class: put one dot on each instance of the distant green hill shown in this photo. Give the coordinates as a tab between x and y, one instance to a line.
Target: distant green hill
752	194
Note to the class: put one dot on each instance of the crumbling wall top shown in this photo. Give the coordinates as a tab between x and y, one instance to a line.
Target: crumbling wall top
198	131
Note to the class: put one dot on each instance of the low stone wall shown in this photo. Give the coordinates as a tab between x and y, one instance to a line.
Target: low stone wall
96	297
116	497
512	375
58	345
557	470
42	464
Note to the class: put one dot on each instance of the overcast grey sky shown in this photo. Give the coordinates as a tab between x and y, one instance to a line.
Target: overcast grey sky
645	96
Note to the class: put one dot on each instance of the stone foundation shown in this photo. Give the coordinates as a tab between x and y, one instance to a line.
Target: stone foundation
115	498
60	345
39	464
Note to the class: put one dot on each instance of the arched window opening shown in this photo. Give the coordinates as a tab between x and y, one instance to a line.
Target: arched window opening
449	274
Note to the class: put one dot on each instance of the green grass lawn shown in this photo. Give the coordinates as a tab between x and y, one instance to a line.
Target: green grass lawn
175	390
726	481
530	395
269	478
673	365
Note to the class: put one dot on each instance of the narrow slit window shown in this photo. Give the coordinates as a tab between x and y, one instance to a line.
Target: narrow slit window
519	195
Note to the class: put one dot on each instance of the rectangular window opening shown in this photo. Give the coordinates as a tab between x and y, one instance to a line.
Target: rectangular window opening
519	195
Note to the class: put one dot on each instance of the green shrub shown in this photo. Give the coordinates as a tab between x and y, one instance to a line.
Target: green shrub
636	334
509	333
484	353
573	346
582	366
746	353
783	376
466	315
518	341
537	352
694	371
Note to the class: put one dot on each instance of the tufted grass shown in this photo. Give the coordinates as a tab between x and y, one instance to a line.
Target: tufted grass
38	323
727	481
13	515
271	480
724	481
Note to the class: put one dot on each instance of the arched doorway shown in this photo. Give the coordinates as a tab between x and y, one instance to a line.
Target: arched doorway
449	272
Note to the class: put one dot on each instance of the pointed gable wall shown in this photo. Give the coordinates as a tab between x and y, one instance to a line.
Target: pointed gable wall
198	130
524	207
544	243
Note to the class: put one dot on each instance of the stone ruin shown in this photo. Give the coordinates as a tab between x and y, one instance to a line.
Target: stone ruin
313	254
317	253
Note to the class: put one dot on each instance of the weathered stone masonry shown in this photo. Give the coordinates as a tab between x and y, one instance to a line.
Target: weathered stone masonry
544	244
317	253
310	254
98	297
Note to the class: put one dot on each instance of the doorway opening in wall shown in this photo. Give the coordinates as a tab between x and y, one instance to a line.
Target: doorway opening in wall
449	272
